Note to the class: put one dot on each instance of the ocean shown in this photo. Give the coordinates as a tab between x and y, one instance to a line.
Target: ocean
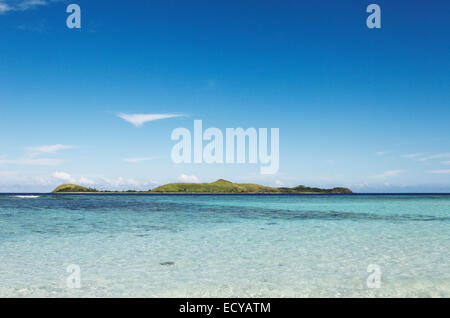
224	245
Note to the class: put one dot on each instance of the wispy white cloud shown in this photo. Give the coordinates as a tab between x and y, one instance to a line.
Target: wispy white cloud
40	162
445	171
188	178
413	155
137	160
140	119
17	181
4	7
8	5
123	182
64	176
32	161
446	162
85	181
32	156
381	153
436	156
29	4
50	148
387	174
279	183
102	183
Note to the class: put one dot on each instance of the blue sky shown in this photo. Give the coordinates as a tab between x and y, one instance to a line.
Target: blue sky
357	107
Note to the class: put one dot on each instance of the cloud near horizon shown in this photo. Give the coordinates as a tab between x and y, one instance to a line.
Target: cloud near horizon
101	182
279	183
7	173
63	176
188	178
32	157
140	119
32	161
137	160
387	174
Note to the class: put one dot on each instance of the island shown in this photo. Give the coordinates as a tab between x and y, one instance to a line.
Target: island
220	186
73	188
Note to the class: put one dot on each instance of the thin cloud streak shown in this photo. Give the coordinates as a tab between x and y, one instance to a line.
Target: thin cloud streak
446	171
387	174
32	162
413	155
437	156
6	6
32	157
50	148
140	119
137	160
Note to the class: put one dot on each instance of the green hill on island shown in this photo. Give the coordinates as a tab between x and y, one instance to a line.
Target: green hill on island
73	188
224	186
219	186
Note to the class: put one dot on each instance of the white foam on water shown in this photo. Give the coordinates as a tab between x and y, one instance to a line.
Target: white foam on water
26	196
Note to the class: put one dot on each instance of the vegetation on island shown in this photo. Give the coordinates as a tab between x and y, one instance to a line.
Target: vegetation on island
303	189
224	186
219	186
73	188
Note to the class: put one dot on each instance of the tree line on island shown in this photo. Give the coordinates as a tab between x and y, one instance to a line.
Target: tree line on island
219	186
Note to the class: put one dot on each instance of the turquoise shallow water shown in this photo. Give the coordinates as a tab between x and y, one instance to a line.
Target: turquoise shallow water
224	246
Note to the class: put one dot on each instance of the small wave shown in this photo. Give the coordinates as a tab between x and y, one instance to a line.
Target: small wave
26	196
